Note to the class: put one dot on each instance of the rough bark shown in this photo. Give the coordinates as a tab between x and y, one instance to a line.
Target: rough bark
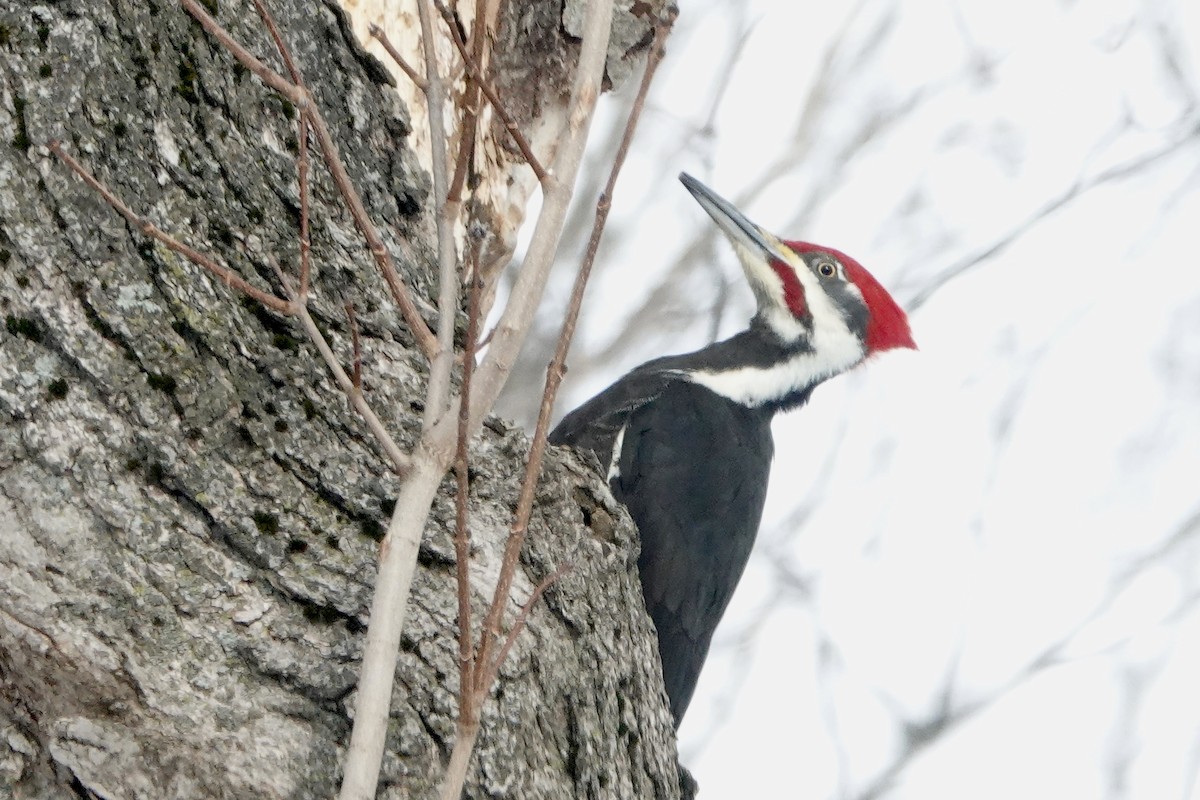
189	509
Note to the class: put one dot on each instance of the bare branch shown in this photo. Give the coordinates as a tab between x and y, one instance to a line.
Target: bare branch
352	387
302	140
557	367
518	625
299	94
469	700
469	104
531	281
280	45
460	757
1080	187
383	259
293	306
437	394
400	546
389	606
462	534
489	91
226	275
412	74
467	130
270	77
400	461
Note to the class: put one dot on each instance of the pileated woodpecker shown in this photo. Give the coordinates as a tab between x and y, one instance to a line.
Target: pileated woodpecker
686	440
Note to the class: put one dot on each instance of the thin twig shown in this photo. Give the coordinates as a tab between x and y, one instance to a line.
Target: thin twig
493	97
412	74
300	96
467	130
293	306
1080	186
479	34
50	641
401	462
468	127
292	91
518	625
224	274
354	391
352	387
530	283
471	699
400	295
280	45
302	140
437	394
462	533
557	366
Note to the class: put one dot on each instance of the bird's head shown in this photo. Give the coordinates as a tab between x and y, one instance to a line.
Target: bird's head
806	292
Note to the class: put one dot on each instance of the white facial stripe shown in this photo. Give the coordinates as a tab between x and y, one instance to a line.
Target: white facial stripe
768	286
835	348
825	314
785	325
755	386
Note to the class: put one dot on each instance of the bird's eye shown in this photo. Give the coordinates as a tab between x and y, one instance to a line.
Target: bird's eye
826	269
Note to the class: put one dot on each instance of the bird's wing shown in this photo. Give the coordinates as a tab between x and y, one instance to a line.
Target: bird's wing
693	472
596	424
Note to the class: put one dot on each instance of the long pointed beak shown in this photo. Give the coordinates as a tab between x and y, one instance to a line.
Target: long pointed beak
740	230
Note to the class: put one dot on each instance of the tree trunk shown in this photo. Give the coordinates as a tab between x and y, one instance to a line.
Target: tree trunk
189	509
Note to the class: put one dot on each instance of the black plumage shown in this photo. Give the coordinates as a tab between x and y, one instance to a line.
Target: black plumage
692	468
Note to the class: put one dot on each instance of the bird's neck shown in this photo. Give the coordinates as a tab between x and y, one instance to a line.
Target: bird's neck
758	368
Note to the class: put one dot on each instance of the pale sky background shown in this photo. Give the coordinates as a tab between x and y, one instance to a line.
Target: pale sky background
979	572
